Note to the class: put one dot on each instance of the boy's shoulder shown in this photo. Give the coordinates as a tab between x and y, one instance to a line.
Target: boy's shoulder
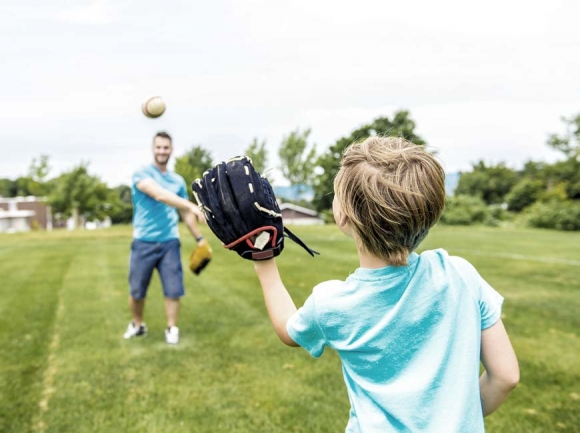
441	256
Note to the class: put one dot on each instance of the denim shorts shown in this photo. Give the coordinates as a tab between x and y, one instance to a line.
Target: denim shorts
146	256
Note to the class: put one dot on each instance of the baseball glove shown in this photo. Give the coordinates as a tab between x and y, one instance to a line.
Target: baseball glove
200	257
241	209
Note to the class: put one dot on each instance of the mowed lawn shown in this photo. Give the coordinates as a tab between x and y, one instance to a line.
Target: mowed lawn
64	366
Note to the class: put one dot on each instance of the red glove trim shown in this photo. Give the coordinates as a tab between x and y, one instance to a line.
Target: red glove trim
247	237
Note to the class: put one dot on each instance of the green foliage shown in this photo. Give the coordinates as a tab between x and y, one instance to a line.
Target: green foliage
297	161
491	183
39	168
192	164
556	192
329	162
524	193
259	155
121	205
8	188
569	143
36	182
465	210
77	189
554	214
565	172
28	186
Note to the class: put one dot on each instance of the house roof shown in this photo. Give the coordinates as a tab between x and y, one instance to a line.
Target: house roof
298	209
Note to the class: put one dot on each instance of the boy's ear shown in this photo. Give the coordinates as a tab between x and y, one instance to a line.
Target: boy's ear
342	219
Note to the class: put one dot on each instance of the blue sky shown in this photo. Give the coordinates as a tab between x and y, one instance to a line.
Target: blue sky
487	80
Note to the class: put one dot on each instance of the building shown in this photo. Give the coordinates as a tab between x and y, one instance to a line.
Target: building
298	215
19	214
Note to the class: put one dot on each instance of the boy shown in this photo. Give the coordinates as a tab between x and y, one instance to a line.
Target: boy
410	329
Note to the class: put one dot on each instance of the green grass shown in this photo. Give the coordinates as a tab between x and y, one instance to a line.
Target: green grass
64	366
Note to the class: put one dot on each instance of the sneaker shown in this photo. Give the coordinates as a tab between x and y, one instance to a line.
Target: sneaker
172	335
135	331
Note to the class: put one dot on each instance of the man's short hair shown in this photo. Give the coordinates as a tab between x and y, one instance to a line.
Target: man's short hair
392	191
163	134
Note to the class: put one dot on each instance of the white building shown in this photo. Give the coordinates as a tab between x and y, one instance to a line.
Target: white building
21	214
298	215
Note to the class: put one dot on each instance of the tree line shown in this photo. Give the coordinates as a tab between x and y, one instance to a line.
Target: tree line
540	194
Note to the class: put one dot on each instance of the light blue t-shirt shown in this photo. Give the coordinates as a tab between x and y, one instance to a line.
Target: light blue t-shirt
154	221
409	341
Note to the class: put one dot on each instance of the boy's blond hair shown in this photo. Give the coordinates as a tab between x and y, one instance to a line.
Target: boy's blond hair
392	192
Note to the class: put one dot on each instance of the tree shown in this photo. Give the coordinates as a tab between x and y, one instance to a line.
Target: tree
569	143
329	162
76	193
8	188
297	161
568	171
192	164
34	183
491	183
259	154
121	205
39	169
524	193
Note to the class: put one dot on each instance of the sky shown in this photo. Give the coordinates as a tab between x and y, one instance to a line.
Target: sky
482	80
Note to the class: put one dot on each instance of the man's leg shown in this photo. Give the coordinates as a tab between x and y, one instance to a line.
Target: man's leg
171	311
137	306
171	274
141	265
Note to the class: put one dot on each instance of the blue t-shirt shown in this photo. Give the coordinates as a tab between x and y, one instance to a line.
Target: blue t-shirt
409	341
154	221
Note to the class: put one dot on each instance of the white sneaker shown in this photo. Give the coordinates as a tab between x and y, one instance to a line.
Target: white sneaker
135	331
172	335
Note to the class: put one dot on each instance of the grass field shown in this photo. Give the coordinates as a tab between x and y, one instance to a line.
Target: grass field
64	366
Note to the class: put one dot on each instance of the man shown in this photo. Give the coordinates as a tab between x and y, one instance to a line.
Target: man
158	195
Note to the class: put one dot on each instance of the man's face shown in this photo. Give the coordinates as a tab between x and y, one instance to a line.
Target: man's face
162	150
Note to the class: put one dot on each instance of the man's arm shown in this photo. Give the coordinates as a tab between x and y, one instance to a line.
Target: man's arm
279	304
190	217
157	192
502	372
188	211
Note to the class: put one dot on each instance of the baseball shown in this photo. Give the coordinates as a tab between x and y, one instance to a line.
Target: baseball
153	107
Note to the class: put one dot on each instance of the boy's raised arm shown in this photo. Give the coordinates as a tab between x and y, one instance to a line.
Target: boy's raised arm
502	372
279	304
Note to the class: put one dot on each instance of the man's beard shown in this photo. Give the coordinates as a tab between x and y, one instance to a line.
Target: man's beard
162	160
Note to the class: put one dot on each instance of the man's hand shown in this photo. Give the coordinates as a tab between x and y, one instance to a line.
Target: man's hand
199	216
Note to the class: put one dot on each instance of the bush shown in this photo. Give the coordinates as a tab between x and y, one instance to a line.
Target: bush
328	216
559	215
465	210
524	194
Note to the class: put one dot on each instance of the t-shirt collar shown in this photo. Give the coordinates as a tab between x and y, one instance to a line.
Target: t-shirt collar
387	271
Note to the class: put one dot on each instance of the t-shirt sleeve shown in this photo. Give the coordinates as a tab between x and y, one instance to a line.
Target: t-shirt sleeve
139	175
183	190
304	329
490	303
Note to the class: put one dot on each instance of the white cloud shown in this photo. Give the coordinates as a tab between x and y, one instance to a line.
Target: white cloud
482	80
95	12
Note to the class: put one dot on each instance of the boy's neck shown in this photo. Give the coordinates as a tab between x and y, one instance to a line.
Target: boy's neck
369	261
